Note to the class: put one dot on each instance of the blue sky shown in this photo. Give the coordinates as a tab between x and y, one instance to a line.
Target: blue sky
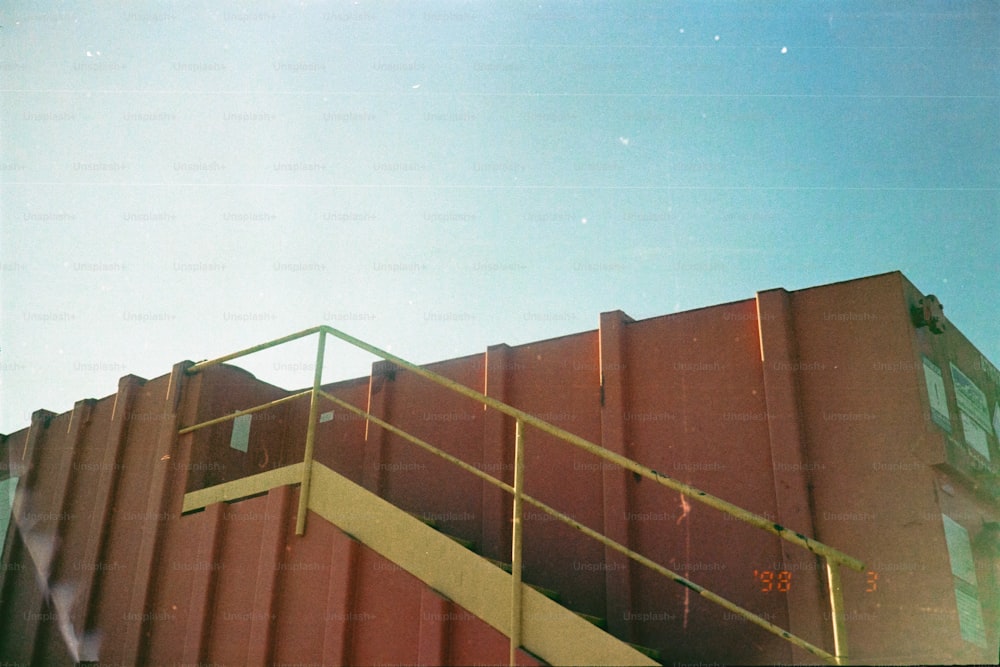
182	180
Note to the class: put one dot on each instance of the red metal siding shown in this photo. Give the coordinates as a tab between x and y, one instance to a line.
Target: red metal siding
276	435
858	416
340	442
557	383
229	585
696	411
412	478
809	408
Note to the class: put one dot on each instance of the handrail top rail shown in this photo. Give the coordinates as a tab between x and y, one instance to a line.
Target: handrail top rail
207	363
736	511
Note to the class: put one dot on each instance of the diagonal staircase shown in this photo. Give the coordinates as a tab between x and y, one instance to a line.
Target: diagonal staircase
449	566
597	621
529	615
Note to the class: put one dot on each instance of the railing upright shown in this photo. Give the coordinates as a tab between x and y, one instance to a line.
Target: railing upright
837	611
516	544
300	521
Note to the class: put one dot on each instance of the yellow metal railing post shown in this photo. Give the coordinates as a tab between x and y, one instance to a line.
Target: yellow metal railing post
515	568
300	522
837	611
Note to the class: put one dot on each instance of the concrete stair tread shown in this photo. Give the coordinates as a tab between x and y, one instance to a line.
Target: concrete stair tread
430	522
599	621
653	653
468	544
506	567
547	592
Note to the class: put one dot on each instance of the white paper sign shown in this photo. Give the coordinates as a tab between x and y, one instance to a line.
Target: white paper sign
240	438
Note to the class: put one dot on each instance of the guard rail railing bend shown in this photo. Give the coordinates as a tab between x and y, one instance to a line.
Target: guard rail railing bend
833	558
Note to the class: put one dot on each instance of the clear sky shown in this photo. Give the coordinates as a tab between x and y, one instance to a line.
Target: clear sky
180	180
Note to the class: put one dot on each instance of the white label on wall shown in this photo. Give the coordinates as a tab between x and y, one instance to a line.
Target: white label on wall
975	437
241	433
971	398
959	550
935	392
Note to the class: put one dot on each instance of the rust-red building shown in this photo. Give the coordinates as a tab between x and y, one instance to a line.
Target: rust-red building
851	420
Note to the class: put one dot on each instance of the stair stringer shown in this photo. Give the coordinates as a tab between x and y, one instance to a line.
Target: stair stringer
549	630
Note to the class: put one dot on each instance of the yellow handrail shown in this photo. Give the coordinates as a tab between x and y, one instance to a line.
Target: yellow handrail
568	520
202	365
734	510
249	411
516	561
832	557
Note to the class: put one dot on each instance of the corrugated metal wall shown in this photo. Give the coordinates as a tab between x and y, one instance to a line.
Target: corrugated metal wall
807	407
100	568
